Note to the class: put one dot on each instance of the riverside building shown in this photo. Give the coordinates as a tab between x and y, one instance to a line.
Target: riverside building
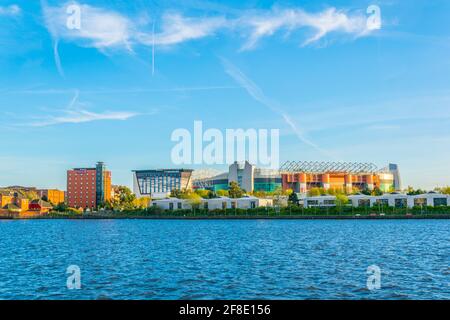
54	196
394	200
301	176
249	178
160	182
88	188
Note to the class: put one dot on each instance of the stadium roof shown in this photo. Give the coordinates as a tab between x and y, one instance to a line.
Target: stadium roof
325	167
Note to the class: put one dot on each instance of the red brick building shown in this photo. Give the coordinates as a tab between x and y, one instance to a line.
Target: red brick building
88	187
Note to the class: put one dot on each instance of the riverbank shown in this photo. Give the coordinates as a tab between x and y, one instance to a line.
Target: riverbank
230	217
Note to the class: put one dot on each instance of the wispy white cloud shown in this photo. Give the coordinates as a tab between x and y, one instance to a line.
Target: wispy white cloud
108	29
52	91
72	113
100	28
81	116
257	94
104	28
12	10
266	24
177	29
57	58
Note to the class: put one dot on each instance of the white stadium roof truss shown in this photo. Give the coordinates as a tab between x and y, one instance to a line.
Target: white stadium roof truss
325	167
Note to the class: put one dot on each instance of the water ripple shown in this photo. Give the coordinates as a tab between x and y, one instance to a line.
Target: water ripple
256	259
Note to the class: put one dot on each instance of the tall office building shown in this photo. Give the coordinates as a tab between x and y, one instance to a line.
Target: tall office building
393	169
88	187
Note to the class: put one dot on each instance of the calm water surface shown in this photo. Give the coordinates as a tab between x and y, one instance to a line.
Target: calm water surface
208	259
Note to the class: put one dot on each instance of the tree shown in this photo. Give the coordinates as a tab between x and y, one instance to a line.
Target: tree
260	194
445	190
193	199
222	193
410	191
293	199
377	192
205	194
277	197
355	190
142	203
108	205
341	200
175	193
61	207
314	192
124	200
235	191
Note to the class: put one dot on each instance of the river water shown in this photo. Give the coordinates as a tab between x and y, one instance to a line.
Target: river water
225	259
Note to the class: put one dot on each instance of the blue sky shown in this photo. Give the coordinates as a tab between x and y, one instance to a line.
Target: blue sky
116	89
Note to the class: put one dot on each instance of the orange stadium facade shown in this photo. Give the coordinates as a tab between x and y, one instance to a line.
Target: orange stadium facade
301	176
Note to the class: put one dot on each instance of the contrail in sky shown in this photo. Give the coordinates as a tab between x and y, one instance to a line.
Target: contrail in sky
256	93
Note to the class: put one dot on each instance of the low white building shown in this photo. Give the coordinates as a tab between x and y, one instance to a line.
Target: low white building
320	201
160	195
431	199
361	200
250	203
395	199
171	204
214	203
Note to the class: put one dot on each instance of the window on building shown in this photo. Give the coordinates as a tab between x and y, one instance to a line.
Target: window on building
313	202
170	205
420	202
205	205
400	203
382	202
253	205
363	202
439	202
179	205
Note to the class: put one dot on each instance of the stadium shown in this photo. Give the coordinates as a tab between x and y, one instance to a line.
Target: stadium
301	176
